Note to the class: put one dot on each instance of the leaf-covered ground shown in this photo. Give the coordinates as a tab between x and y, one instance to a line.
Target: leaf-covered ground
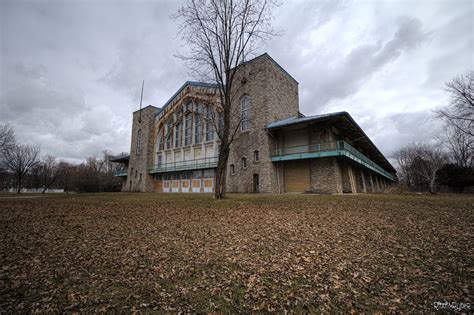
143	252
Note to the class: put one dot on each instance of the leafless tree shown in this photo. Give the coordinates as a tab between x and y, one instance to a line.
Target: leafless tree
459	145
49	171
66	172
7	136
460	112
219	35
20	159
419	165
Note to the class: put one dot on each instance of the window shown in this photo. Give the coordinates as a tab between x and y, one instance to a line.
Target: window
209	124
256	156
198	125
139	141
209	173
140	176
243	162
188	129
159	160
177	135
136	173
245	113
169	132
159	144
232	169
197	174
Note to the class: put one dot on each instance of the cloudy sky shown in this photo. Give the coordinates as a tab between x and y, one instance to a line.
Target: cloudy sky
71	70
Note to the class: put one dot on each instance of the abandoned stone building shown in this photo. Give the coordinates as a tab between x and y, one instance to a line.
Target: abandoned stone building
276	149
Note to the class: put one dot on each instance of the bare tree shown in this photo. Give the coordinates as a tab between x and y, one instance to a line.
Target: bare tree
65	175
419	165
219	35
460	112
49	171
7	136
20	159
460	146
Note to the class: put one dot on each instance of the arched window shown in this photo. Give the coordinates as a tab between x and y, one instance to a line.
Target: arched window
256	156
243	162
245	115
139	141
177	135
198	123
232	169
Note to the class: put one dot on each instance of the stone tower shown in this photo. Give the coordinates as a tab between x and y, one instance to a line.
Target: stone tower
273	96
141	150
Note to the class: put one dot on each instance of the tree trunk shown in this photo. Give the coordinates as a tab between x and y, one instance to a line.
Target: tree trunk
432	186
219	188
19	184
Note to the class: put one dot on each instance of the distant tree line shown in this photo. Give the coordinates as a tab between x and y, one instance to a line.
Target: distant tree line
449	162
21	166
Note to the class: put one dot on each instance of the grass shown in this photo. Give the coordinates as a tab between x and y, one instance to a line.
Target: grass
142	252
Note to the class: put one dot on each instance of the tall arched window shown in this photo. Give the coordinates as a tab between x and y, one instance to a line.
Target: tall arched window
243	162
139	141
256	156
245	115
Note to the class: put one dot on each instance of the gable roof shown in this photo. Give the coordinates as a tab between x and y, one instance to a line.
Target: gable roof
185	85
350	123
151	106
266	55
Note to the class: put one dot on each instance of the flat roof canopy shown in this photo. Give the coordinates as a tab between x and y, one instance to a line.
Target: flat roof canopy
121	159
346	125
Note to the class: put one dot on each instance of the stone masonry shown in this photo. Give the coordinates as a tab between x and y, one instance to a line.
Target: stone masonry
274	96
138	178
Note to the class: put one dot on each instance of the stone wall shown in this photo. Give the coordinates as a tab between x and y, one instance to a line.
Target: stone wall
138	178
274	96
325	176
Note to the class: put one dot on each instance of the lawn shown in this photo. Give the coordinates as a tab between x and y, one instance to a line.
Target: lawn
142	252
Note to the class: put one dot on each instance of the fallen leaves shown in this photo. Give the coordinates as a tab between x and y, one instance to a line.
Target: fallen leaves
188	253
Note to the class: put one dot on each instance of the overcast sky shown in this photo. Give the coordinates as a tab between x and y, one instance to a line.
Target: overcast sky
71	71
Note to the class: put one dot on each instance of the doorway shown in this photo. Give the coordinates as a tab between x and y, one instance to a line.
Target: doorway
255	183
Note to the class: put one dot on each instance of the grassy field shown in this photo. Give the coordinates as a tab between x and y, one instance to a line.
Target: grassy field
142	252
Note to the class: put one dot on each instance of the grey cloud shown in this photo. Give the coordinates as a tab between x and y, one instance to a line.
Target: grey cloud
345	77
392	132
70	73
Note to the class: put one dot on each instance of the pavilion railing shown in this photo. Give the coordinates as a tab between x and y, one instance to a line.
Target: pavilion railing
328	149
121	172
184	165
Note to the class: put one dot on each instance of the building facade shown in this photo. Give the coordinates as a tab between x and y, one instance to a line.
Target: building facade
276	149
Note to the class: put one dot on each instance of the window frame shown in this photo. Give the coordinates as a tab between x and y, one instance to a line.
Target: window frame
245	113
139	141
256	156
243	162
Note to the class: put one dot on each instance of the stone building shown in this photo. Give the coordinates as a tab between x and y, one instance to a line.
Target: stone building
276	149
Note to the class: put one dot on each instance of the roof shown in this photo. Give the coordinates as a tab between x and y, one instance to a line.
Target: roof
366	143
121	159
157	108
299	120
266	55
185	85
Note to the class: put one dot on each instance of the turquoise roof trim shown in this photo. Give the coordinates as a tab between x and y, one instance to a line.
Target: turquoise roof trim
299	120
185	85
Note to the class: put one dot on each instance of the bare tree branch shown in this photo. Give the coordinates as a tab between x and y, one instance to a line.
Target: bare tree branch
219	36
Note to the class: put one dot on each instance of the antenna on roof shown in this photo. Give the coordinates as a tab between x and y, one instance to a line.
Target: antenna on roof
141	99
